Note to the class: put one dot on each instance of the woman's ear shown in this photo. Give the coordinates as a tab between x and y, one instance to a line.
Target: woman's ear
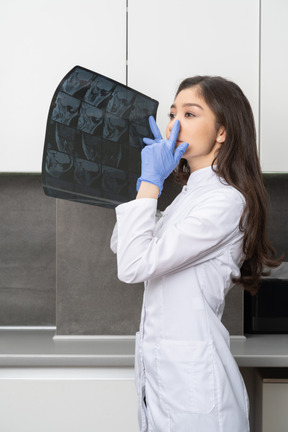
221	135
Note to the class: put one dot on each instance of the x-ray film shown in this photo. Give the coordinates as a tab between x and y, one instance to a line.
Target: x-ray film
93	142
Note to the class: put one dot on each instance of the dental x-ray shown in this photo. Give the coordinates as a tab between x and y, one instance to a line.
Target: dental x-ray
93	142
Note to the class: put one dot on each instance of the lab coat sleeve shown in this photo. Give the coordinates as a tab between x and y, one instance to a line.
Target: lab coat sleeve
198	237
114	239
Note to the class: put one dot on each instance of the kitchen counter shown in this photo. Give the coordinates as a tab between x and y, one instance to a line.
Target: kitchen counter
40	348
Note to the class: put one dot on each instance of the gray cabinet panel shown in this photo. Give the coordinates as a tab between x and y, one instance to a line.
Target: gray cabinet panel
27	252
90	298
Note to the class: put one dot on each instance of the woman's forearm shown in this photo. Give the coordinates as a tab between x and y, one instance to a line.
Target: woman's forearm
148	190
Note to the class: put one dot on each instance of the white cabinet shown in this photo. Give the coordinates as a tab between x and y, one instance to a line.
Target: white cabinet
65	399
271	400
274	87
170	40
167	41
40	42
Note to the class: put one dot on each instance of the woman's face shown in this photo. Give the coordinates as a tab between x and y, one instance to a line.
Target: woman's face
197	128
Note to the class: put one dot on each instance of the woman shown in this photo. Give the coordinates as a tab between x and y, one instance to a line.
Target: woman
210	237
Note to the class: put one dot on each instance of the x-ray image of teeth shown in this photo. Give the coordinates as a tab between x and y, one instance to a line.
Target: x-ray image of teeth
114	182
64	137
78	80
112	154
142	109
86	172
91	146
136	134
66	109
132	181
58	163
90	118
94	137
134	162
114	127
121	102
100	91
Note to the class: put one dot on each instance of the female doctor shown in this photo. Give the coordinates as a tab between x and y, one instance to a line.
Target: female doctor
211	236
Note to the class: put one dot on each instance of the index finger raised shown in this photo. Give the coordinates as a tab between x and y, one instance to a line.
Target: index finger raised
154	128
174	132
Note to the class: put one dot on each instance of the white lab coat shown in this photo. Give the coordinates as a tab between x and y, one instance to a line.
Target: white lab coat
187	379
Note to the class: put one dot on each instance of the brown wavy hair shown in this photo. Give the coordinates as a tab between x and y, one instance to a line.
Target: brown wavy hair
238	163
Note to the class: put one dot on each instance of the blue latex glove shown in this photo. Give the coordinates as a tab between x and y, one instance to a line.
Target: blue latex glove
158	158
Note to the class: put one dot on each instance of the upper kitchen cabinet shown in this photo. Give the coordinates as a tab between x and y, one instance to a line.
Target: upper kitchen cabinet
170	40
274	87
40	42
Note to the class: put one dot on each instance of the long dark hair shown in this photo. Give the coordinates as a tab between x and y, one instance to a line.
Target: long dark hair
238	164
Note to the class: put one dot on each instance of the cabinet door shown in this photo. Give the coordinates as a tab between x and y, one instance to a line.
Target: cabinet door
171	40
274	87
40	42
55	401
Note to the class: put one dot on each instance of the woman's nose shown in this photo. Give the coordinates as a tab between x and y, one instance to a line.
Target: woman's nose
171	123
170	126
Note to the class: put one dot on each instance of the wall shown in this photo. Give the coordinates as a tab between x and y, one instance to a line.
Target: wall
166	42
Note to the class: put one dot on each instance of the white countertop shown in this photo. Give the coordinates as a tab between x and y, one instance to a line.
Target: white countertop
39	348
267	350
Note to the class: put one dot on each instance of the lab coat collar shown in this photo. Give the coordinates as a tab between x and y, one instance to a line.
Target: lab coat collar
201	176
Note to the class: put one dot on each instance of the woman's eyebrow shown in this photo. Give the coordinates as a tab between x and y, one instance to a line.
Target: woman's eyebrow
188	104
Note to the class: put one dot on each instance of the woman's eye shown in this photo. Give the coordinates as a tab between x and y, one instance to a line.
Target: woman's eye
188	114
171	116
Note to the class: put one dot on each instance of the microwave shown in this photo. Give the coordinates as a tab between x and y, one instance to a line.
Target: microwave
267	311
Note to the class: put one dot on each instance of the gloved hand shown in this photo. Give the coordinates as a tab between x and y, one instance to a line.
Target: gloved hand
158	158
